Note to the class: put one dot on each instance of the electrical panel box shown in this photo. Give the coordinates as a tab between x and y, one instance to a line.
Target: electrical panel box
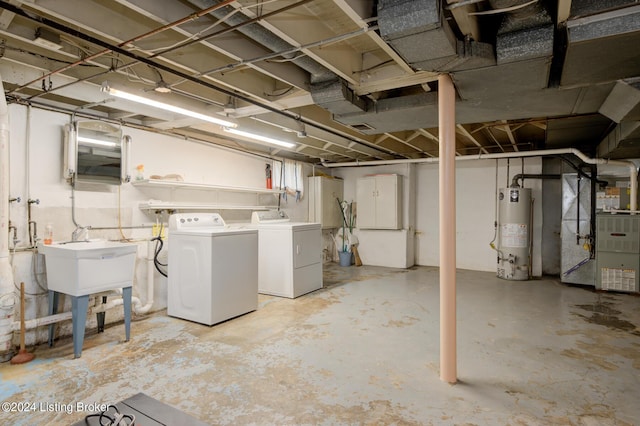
324	193
618	252
615	197
379	200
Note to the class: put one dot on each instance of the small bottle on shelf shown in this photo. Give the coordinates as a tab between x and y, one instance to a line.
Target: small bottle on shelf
48	234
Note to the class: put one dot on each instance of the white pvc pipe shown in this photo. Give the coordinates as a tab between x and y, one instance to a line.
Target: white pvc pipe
6	273
633	170
63	316
150	268
138	308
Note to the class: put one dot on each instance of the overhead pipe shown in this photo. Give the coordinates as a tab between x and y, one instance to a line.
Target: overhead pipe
633	170
125	43
6	272
161	66
523	176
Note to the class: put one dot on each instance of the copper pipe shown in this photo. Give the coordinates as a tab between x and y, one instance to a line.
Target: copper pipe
447	183
124	43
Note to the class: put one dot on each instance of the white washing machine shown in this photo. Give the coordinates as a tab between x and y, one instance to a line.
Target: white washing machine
213	270
290	255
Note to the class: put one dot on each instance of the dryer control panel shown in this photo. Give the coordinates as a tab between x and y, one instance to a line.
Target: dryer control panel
269	216
195	220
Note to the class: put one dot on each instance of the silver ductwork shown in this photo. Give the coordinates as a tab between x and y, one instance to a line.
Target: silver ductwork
602	44
336	97
623	103
623	107
417	30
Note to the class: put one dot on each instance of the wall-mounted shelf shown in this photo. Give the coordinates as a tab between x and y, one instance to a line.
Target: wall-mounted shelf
154	183
170	205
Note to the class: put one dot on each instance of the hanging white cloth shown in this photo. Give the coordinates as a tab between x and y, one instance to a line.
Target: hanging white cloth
287	175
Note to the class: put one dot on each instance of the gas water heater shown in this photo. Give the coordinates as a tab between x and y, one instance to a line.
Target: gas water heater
514	233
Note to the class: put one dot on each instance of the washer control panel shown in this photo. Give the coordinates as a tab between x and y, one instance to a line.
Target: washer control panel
195	220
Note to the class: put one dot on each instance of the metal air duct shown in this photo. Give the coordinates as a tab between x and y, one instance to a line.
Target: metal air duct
602	46
417	30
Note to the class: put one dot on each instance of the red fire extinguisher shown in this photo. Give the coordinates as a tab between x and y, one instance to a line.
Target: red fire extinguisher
268	173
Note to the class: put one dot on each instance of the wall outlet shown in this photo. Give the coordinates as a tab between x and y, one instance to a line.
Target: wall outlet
155	231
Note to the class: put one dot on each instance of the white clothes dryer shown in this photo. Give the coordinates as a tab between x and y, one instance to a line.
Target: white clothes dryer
290	254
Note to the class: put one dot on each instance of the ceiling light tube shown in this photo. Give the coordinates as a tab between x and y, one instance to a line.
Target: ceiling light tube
259	137
160	105
99	142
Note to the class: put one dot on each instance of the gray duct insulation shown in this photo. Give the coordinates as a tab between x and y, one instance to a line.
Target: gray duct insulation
417	30
7	301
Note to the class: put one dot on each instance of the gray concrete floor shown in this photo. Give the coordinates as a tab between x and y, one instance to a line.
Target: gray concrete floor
364	350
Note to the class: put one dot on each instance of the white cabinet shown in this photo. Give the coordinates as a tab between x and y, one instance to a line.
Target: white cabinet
379	202
323	204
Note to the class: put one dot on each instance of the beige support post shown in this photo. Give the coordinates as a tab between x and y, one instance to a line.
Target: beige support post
447	154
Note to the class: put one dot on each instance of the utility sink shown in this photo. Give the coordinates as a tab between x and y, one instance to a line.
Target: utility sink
79	268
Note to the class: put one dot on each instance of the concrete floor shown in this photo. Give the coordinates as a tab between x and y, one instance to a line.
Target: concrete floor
364	350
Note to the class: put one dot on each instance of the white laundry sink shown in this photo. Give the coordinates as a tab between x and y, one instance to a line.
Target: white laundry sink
78	268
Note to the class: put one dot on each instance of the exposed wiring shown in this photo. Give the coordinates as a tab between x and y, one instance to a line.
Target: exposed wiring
506	9
286	59
495	212
276	95
37	55
373	67
158	249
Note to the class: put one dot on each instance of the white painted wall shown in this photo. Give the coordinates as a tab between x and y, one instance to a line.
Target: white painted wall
475	209
475	197
160	154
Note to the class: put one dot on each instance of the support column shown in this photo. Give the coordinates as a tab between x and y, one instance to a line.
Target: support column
447	175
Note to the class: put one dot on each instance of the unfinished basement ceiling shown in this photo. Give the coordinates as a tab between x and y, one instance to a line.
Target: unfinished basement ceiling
343	79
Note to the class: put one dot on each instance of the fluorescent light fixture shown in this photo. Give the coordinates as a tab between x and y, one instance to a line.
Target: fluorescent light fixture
160	105
99	142
259	137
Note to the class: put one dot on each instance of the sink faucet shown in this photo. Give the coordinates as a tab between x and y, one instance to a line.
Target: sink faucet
15	234
81	233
